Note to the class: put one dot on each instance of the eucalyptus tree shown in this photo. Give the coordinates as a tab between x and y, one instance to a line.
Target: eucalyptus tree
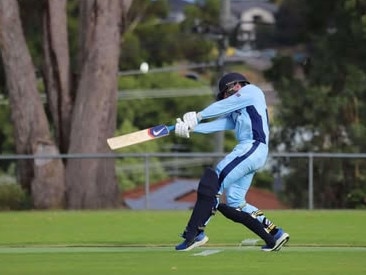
81	100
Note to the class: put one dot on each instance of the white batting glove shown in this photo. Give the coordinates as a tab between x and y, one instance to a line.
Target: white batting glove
190	119
181	129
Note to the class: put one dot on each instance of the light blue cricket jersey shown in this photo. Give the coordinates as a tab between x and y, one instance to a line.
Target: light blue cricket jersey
245	112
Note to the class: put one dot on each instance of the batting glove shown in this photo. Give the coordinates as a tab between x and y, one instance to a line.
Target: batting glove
190	119
181	129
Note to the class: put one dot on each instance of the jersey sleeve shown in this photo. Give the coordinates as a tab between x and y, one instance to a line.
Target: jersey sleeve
239	100
219	124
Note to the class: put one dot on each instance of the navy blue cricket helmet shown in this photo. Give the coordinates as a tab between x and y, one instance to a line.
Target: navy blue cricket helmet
227	80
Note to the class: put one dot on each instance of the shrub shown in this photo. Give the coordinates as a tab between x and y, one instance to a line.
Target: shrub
12	197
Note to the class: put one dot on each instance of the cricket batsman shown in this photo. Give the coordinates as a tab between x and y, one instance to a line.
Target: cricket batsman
241	107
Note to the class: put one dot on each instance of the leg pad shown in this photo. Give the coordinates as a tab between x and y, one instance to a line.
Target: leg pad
205	206
247	220
209	184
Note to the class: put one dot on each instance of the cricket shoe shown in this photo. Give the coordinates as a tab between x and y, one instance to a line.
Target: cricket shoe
199	240
281	238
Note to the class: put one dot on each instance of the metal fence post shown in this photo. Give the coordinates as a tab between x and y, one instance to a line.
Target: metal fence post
311	181
147	181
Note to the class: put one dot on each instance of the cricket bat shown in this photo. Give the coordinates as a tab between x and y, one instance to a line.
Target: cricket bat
139	136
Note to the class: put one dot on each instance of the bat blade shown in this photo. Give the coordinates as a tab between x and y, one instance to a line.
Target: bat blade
139	136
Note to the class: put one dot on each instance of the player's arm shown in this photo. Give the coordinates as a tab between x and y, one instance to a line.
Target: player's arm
220	124
228	105
237	101
223	123
217	109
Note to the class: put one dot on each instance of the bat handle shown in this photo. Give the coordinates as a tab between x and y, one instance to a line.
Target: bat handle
171	127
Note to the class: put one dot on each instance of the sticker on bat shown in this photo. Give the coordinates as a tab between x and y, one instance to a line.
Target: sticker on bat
158	131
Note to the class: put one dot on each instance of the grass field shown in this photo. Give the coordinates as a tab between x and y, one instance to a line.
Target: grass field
130	242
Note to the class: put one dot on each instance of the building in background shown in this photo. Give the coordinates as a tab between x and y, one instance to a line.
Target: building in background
249	14
246	15
176	13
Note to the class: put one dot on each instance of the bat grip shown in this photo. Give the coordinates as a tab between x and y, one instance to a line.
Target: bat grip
171	127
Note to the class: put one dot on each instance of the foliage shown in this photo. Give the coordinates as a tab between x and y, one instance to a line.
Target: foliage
197	49
6	143
161	44
131	171
143	113
158	81
132	55
209	12
328	90
297	21
263	179
12	196
142	11
6	146
357	199
158	41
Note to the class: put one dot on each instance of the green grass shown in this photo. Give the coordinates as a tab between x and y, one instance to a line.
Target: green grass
142	242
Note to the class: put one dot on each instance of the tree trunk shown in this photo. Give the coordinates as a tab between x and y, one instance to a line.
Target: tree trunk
56	70
43	178
91	183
